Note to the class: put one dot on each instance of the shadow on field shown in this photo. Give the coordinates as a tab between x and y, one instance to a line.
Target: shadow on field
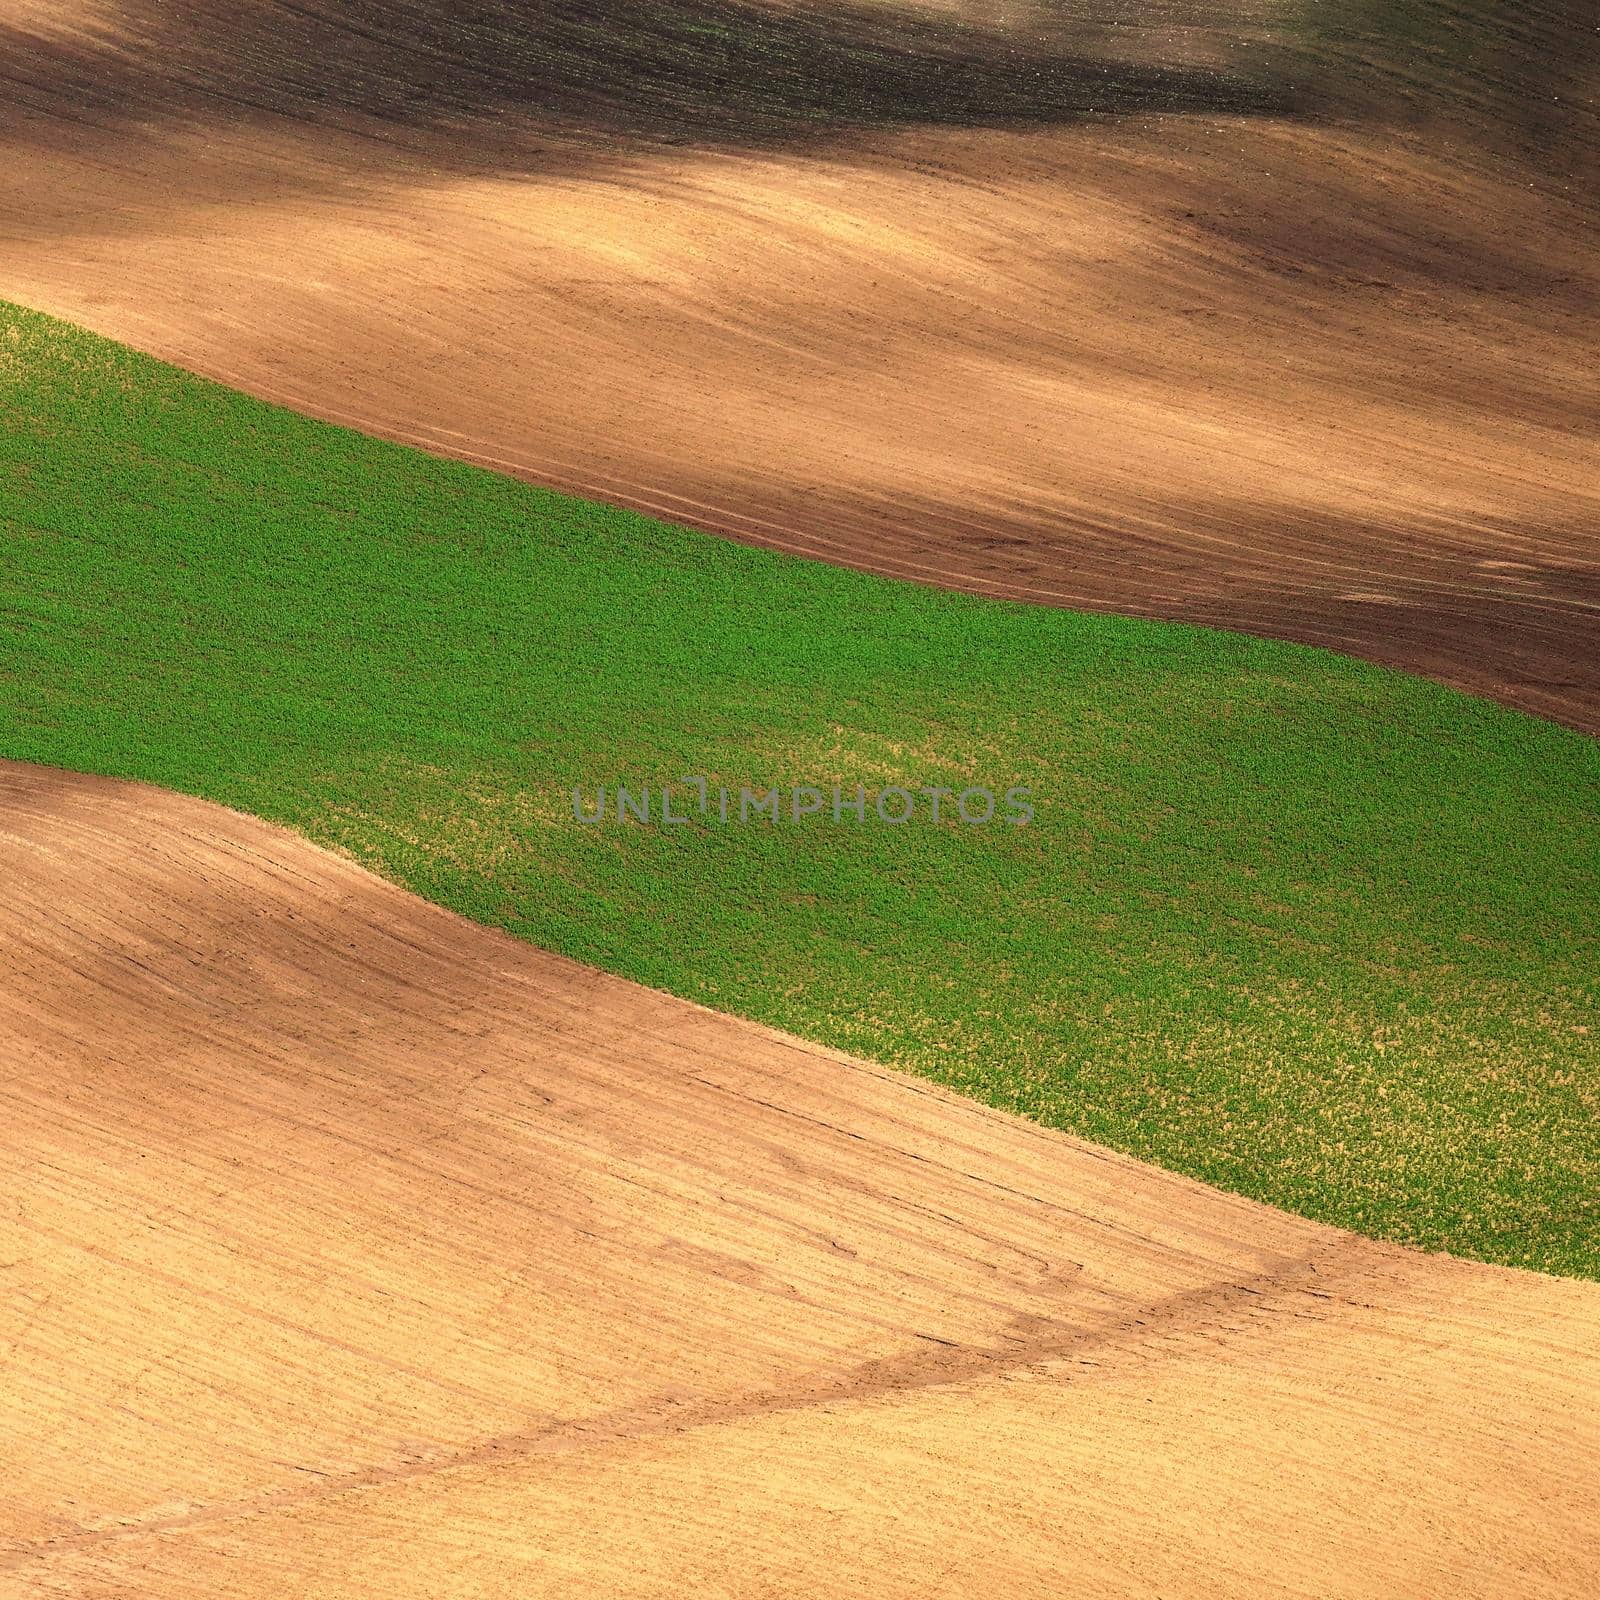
1521	79
710	72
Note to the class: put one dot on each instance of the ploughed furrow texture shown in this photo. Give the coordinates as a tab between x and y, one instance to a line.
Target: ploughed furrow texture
1280	317
349	1248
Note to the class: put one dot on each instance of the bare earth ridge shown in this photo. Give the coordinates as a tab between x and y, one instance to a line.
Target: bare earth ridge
347	1248
350	1248
1112	316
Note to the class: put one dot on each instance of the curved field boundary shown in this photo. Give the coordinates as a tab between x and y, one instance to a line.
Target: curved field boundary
1276	318
1306	929
351	1247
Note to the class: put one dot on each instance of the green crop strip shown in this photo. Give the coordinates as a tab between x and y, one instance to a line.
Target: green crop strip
1309	930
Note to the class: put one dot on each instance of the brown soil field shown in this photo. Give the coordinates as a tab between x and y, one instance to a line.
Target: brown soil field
351	1249
1189	310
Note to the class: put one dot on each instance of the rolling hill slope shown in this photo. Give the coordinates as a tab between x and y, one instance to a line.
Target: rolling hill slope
349	1247
1280	318
356	1248
1317	932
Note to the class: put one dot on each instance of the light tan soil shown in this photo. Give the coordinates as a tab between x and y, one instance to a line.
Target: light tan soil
350	1249
1333	380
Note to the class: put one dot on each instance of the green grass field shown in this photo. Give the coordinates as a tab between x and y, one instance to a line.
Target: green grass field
1312	931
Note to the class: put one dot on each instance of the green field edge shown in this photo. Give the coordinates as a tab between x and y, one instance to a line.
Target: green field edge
1307	929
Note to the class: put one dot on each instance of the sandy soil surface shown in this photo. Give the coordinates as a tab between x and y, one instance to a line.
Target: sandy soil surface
349	1249
1120	307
